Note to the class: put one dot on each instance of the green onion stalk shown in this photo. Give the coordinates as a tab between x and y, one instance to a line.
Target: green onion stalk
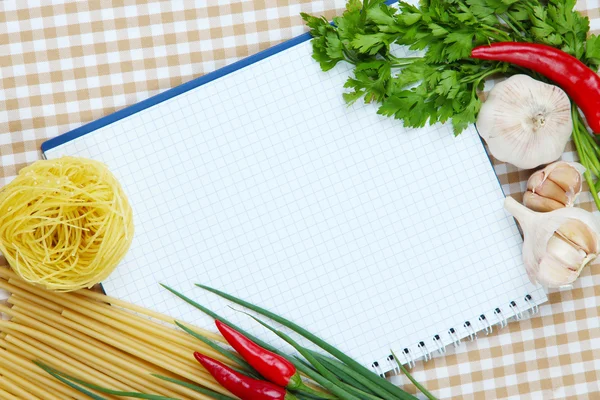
589	153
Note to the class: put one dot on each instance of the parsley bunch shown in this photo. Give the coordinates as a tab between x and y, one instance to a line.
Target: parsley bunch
442	84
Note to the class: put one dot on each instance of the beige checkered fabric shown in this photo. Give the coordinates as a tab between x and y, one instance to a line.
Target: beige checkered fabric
64	63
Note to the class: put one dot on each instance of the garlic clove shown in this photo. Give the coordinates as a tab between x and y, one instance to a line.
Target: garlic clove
552	273
563	251
579	234
559	182
536	202
567	177
525	122
557	244
551	190
535	180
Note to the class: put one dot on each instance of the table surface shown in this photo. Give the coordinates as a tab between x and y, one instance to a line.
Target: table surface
65	63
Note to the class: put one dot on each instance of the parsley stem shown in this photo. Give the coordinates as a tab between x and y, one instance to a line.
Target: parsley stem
509	21
492	33
391	57
482	75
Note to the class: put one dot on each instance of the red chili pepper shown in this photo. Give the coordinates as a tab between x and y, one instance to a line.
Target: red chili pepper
580	82
241	385
270	365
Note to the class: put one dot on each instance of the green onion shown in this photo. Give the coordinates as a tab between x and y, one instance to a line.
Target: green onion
302	368
66	382
410	377
337	388
349	376
196	388
362	394
358	368
216	316
61	376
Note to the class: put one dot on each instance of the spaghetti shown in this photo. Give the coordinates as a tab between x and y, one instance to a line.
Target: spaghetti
64	224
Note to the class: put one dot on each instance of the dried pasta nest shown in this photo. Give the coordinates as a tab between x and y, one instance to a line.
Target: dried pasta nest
65	224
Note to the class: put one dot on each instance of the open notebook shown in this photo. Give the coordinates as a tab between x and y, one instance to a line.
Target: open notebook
260	181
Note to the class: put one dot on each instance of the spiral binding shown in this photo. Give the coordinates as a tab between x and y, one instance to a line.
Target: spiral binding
424	351
392	363
501	318
438	344
486	325
532	306
409	357
376	368
454	336
515	308
470	330
438	341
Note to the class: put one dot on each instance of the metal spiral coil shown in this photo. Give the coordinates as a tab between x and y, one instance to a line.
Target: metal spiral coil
486	325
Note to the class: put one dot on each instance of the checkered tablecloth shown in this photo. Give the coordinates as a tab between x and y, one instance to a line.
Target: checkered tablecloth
65	63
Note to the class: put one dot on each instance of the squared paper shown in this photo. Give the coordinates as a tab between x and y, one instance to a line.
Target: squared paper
264	184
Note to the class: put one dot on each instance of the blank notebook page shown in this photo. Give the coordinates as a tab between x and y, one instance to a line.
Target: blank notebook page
264	184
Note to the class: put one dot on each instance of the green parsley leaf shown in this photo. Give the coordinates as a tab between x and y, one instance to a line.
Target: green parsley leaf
461	44
371	43
592	50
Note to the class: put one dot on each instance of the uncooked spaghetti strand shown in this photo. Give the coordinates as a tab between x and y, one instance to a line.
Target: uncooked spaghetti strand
128	380
161	317
33	387
141	367
166	332
25	368
184	367
15	389
63	300
29	347
64	347
102	298
197	375
124	370
42	302
8	396
70	302
175	350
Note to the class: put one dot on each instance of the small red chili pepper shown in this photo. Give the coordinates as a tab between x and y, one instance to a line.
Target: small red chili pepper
270	365
241	385
580	82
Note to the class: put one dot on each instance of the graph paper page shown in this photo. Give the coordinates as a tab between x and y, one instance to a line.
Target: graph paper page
264	184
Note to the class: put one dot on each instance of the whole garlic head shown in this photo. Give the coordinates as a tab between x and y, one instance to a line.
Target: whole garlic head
558	244
556	186
525	122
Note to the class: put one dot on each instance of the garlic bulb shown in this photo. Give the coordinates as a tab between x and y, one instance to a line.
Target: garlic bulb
557	244
525	122
556	186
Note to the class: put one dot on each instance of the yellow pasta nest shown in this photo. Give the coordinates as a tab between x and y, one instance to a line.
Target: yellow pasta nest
64	224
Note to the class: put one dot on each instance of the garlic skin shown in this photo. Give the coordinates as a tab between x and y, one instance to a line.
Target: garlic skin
525	122
558	244
556	186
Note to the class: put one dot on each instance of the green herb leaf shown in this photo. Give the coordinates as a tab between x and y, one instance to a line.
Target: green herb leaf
592	51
